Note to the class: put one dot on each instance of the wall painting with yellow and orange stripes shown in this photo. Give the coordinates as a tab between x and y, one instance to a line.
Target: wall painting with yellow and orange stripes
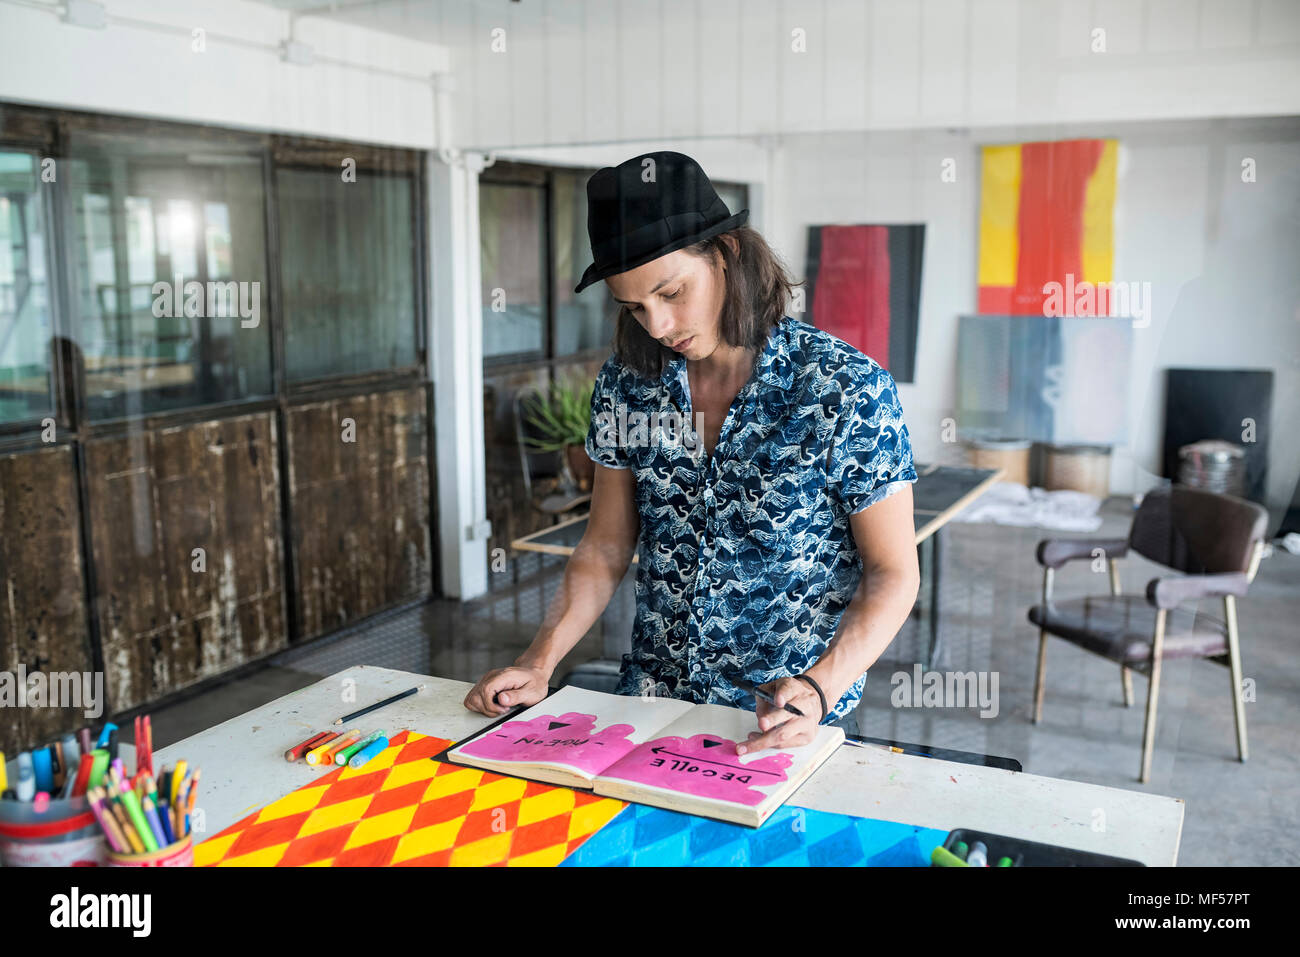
1047	216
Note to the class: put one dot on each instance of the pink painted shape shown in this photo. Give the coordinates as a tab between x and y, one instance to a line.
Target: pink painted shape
535	740
686	765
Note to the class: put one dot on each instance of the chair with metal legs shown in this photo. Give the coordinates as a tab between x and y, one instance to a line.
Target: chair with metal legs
1215	540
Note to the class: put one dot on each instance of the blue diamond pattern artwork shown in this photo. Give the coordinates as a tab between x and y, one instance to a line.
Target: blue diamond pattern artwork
642	836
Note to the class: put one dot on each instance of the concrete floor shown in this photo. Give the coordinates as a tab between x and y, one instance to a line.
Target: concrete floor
1237	813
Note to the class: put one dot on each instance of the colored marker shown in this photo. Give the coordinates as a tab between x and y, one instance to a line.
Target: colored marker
946	858
71	761
1004	862
978	856
298	750
314	755
346	740
364	756
344	756
104	734
762	695
99	767
4	773
41	803
81	781
56	752
26	787
112	743
960	849
83	738
43	767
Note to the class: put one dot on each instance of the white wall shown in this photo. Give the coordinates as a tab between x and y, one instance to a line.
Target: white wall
594	71
367	86
1221	256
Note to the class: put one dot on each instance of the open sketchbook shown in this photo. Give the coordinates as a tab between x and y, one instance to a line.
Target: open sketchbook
659	751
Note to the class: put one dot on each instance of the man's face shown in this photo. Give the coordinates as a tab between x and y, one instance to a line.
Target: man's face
677	298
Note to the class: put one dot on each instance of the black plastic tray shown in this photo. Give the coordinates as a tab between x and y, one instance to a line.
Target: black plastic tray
1032	853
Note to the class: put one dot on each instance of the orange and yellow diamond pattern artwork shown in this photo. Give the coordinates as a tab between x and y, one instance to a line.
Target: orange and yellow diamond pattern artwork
402	808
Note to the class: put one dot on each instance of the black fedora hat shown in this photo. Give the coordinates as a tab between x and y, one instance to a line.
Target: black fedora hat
647	207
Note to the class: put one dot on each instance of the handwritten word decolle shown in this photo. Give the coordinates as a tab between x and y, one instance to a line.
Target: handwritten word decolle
676	765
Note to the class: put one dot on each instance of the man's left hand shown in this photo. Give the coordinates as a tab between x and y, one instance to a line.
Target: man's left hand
778	728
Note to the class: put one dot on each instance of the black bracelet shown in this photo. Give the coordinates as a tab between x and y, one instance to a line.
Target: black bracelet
820	693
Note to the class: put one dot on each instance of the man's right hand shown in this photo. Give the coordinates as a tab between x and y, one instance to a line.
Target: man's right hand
500	690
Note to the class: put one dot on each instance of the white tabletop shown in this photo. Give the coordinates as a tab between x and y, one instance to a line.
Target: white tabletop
244	769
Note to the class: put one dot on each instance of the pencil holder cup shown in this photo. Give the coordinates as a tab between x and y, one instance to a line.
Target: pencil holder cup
180	854
65	834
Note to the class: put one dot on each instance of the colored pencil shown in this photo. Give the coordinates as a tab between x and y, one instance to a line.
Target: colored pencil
136	813
378	705
178	778
151	816
108	822
124	821
189	802
151	790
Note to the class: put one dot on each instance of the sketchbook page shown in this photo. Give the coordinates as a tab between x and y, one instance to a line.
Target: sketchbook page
696	755
575	729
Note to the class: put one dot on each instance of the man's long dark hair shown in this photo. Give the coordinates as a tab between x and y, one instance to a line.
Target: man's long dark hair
759	287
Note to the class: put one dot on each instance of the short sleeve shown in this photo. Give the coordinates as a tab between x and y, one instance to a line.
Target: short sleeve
870	457
603	446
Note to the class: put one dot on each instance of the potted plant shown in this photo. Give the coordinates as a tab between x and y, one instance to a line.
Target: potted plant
560	423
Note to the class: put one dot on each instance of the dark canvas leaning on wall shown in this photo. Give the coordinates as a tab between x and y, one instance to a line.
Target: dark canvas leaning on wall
864	285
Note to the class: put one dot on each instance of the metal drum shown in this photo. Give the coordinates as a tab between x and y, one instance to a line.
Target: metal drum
1213	465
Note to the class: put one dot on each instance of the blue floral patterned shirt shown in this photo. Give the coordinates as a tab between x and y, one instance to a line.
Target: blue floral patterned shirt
746	560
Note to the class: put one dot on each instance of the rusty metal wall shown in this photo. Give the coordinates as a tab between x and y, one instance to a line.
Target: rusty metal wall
167	619
43	623
359	506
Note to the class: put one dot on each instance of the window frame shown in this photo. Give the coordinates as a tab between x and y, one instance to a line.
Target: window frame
44	132
355	381
516	173
64	418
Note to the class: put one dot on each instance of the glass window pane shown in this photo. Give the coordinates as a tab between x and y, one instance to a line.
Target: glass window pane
159	327
735	196
511	241
26	349
585	320
347	267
